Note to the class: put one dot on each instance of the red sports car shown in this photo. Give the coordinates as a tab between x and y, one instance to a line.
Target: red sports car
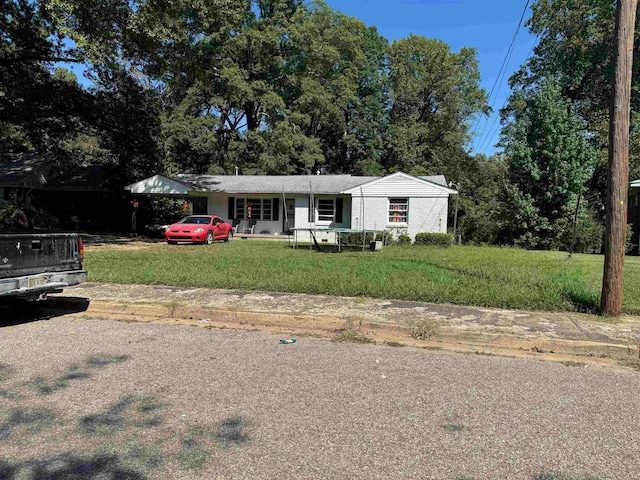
199	229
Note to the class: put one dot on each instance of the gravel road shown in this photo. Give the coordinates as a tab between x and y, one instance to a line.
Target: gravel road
110	400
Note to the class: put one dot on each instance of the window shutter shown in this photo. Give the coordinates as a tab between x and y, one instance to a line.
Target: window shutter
232	210
275	207
339	207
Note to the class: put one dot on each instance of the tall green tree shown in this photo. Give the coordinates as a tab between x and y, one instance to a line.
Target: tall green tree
434	95
549	161
576	51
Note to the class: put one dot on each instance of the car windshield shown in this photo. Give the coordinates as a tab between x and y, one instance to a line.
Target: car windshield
196	220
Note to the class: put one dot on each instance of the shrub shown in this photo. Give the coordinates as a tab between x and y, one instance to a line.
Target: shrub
11	216
356	238
629	247
403	239
437	239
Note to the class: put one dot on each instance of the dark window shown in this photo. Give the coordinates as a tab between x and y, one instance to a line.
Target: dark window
240	208
326	209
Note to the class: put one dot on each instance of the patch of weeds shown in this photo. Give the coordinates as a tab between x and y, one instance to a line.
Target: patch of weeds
350	336
194	454
462	478
424	329
394	344
70	466
172	307
109	421
573	363
452	427
33	420
232	432
559	476
103	360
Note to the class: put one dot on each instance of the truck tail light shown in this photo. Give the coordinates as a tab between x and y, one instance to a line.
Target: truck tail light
80	250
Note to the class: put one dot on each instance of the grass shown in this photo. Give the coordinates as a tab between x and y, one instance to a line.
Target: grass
465	275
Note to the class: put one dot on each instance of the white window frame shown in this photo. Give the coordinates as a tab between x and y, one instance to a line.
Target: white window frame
391	213
317	211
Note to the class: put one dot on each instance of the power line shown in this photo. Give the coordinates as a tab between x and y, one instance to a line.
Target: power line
487	139
502	71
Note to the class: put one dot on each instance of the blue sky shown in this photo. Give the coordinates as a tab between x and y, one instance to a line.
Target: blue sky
486	25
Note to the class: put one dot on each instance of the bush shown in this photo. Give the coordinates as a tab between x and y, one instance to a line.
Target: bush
403	239
437	239
629	247
356	238
12	217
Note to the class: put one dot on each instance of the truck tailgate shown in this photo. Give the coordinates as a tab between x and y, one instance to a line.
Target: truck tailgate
29	254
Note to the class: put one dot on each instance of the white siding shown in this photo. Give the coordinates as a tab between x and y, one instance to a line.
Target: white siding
158	185
426	214
219	205
302	213
400	185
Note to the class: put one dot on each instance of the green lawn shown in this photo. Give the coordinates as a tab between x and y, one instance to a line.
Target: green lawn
484	276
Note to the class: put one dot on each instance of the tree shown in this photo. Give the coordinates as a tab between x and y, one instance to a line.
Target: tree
576	50
549	160
434	95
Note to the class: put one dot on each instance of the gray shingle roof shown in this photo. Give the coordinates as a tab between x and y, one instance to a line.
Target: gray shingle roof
319	184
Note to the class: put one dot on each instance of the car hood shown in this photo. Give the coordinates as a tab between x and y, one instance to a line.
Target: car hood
185	227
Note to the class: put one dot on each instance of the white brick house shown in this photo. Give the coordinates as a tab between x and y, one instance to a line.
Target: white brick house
398	202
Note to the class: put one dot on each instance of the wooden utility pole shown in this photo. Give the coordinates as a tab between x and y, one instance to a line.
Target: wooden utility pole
618	178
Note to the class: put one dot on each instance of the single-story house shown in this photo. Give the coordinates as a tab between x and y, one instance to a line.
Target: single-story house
78	197
277	204
633	213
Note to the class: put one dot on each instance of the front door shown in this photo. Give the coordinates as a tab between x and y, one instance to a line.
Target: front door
289	218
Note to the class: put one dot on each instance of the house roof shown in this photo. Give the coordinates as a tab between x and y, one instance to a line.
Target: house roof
318	184
38	172
24	169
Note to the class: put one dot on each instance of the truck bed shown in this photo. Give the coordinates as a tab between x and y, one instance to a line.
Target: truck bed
35	263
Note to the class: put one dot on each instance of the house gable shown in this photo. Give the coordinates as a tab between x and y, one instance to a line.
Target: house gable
160	185
400	184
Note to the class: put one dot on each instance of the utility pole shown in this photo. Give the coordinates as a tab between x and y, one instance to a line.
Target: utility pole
618	178
455	215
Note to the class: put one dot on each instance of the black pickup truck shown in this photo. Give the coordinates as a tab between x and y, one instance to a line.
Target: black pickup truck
34	264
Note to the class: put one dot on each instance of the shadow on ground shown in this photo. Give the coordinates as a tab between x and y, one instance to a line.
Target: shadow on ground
102	240
17	311
70	466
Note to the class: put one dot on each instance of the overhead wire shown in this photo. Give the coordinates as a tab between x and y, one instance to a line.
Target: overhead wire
501	74
492	130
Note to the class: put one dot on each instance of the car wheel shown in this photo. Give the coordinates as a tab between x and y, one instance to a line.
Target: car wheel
229	236
209	239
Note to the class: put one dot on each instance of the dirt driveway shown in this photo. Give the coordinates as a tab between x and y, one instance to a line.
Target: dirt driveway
102	399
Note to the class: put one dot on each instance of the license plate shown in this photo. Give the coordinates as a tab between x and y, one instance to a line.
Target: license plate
37	282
